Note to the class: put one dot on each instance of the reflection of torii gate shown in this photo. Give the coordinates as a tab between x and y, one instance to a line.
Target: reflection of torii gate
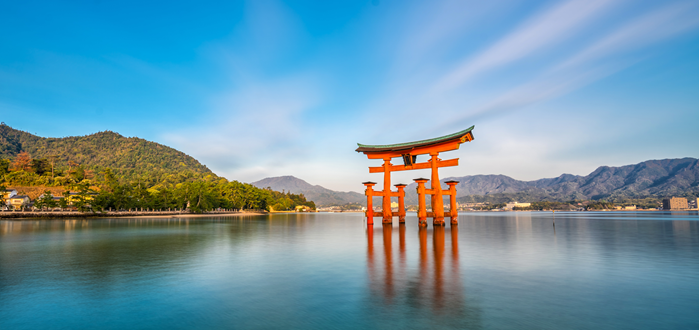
409	152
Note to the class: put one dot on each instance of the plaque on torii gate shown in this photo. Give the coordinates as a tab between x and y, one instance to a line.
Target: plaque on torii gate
408	152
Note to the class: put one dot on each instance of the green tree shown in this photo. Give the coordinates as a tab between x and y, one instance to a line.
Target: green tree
4	167
110	180
78	173
82	199
600	205
2	193
63	202
198	196
46	200
40	166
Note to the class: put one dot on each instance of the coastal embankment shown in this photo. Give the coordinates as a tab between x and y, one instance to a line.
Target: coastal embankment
129	214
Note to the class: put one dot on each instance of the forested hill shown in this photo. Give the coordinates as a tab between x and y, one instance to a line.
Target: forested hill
128	157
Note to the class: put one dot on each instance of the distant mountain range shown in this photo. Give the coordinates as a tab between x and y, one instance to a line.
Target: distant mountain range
653	178
321	196
656	178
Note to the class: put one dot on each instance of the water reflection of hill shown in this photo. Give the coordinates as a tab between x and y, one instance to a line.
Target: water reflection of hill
89	251
429	293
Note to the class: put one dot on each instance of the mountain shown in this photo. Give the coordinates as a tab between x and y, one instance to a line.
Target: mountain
321	196
657	178
128	157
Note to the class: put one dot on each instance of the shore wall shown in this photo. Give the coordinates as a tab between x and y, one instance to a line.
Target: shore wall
111	214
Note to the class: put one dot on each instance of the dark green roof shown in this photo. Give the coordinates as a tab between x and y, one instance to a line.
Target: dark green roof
410	145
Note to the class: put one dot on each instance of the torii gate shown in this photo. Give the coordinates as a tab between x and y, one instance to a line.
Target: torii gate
409	152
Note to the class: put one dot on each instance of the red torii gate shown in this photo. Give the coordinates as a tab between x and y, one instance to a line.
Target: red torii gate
409	152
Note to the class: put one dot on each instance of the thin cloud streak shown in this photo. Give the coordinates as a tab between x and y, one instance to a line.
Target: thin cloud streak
536	35
589	64
652	27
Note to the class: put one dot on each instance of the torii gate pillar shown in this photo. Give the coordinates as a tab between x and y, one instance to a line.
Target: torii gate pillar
401	202
453	208
437	201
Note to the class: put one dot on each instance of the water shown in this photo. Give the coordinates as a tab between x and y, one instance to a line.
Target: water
607	270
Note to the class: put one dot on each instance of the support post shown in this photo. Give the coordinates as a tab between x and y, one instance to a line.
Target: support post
369	192
401	202
437	201
386	202
421	207
453	212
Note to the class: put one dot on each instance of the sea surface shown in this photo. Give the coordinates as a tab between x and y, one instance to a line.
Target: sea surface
495	270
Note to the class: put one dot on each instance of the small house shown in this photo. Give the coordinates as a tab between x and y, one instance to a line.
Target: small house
18	202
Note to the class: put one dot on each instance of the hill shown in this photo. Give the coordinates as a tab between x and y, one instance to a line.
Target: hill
130	158
320	195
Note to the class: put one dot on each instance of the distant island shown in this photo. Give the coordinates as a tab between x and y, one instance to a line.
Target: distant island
106	171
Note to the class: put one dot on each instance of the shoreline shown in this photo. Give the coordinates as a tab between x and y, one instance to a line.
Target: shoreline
196	215
5	215
137	215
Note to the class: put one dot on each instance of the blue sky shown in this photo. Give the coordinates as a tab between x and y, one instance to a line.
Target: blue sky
268	88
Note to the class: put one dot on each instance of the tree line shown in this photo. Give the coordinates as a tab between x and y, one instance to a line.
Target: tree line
103	190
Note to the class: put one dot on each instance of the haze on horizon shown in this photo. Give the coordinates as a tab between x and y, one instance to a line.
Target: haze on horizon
268	88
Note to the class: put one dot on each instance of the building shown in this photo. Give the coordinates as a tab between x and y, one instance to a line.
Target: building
510	206
8	193
18	202
675	203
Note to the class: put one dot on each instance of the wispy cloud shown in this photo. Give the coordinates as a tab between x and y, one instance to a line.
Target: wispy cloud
650	28
536	35
596	61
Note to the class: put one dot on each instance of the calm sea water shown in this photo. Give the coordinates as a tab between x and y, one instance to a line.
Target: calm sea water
608	270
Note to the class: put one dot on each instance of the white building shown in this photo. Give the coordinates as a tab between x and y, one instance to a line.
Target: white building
510	206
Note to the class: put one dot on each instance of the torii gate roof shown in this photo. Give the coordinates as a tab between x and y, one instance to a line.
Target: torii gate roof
461	136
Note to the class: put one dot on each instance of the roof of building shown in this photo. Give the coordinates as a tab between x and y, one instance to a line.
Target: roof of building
19	196
415	144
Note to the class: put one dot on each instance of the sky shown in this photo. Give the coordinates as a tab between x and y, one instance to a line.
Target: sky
256	89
